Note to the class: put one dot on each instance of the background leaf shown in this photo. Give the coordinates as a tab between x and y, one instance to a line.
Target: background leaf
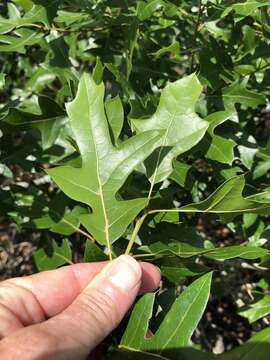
61	255
176	328
176	116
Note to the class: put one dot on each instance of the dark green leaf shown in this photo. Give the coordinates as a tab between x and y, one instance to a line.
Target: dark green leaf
60	255
257	309
93	253
220	149
178	325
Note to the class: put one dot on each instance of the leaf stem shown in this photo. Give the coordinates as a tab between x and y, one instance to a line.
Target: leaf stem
88	236
140	221
197	26
70	262
64	30
135	233
130	51
150	255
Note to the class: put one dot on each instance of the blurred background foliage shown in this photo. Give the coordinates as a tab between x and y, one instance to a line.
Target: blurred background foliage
136	48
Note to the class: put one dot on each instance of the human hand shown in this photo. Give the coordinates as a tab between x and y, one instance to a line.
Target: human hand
66	313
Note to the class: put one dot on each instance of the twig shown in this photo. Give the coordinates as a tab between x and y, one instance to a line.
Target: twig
88	236
197	26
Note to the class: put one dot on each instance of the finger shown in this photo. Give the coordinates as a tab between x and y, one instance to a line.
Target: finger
89	319
50	288
29	300
56	289
150	277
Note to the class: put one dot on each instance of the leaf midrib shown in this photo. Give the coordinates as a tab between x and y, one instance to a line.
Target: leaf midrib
159	154
251	3
143	352
136	329
45	120
21	44
218	201
224	156
183	318
107	236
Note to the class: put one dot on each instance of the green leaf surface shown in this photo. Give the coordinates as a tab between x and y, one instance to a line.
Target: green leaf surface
256	348
178	325
38	11
182	249
43	11
93	253
104	168
261	169
175	269
61	255
182	127
98	71
49	120
18	43
115	115
245	8
247	153
71	17
237	93
180	172
147	8
173	354
210	128
2	81
231	252
187	249
220	149
259	308
5	171
173	49
66	225
25	4
228	198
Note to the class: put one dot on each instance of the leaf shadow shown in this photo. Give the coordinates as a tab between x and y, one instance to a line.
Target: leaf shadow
50	7
155	159
60	51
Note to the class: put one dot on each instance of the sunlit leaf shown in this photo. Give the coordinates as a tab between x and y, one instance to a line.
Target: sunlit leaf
97	185
176	116
178	325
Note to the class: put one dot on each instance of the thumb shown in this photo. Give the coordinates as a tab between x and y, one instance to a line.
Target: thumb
90	318
102	304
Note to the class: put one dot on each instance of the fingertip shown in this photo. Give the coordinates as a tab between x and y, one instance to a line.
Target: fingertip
151	277
133	263
124	272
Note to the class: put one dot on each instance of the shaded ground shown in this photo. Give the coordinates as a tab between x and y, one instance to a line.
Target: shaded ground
16	251
221	328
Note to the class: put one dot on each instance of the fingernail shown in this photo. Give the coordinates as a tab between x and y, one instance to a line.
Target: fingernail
124	272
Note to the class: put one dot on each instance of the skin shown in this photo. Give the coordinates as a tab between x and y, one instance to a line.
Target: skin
66	313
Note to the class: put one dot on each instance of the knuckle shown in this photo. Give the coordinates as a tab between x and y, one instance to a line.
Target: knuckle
101	306
6	288
21	302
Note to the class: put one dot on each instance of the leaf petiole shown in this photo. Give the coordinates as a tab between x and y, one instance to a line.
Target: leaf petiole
135	233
